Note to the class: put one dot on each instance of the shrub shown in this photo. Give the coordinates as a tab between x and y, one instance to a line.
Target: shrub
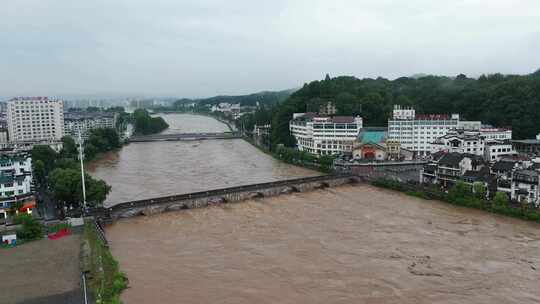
31	228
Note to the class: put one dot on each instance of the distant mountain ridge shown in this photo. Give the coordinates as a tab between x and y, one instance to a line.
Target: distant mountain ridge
264	97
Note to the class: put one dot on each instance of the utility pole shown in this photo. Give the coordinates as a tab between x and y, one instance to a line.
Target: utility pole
81	157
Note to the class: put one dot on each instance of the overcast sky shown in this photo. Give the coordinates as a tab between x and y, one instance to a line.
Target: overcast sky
197	48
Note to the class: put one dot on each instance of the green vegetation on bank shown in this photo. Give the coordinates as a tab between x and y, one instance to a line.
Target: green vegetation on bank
464	195
145	124
501	100
31	229
99	141
58	175
104	277
323	163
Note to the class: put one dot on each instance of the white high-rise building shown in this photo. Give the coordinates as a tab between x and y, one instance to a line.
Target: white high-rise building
324	135
416	132
35	119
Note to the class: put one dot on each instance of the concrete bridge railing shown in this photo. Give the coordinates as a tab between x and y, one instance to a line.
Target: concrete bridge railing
182	136
225	195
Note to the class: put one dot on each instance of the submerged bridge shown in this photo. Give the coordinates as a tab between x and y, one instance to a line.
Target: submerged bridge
220	196
183	137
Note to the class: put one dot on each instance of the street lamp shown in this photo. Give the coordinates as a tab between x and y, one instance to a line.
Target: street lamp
81	157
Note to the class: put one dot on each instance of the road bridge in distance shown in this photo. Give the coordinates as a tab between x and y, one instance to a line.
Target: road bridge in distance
183	137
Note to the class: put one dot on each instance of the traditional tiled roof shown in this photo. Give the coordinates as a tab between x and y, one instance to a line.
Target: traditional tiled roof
438	155
451	159
430	168
503	166
481	175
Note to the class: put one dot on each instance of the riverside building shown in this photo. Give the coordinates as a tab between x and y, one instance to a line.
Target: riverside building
323	135
84	122
416	132
15	183
32	119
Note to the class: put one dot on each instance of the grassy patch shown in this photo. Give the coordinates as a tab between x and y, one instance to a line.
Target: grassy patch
105	279
58	227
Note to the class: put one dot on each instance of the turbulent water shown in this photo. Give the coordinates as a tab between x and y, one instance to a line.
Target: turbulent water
146	170
352	244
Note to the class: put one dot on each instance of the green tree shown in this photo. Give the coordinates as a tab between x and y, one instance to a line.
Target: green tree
145	124
46	155
69	147
39	172
479	190
31	229
459	192
500	200
67	188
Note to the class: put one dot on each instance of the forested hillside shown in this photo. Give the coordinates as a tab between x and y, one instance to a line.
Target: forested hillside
494	99
267	98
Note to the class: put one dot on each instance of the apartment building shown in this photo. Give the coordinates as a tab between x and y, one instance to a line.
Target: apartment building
32	119
325	135
416	132
84	122
496	149
15	183
526	186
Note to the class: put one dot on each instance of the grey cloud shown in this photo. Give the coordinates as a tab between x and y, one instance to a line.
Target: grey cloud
201	48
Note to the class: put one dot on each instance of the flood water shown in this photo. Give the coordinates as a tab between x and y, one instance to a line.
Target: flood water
352	244
147	170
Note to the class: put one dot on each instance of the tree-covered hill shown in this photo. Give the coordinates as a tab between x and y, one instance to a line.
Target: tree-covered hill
500	100
266	97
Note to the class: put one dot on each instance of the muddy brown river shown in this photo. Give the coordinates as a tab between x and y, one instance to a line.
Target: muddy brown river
352	244
147	170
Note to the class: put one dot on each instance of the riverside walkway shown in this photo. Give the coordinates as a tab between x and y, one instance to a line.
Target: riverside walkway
183	137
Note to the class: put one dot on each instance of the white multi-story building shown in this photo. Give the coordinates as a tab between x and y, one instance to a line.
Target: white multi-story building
15	183
35	119
75	122
460	141
526	186
417	132
494	150
325	135
492	133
